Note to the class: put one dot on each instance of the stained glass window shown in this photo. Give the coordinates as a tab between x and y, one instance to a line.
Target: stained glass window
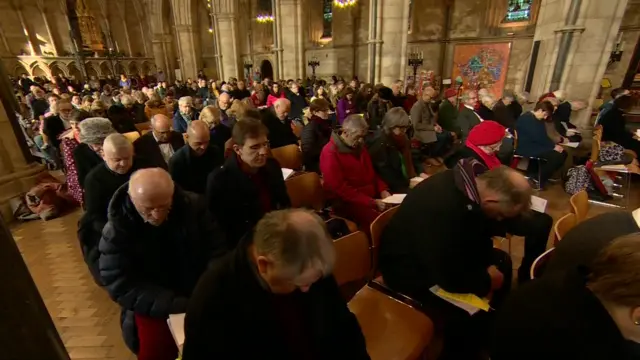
327	17
518	10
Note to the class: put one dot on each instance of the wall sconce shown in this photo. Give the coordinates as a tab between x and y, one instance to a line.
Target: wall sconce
263	19
618	49
342	4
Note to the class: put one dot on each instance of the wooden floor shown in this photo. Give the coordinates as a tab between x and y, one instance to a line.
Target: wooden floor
88	321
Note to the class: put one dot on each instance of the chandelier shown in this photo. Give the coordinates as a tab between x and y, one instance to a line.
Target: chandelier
341	4
263	19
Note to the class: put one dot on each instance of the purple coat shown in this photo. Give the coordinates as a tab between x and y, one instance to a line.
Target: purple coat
345	108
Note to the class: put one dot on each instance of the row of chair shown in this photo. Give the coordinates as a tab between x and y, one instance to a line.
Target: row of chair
579	209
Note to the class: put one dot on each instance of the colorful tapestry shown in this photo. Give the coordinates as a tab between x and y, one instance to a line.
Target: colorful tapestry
482	66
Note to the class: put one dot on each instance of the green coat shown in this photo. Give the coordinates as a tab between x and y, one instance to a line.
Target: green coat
447	116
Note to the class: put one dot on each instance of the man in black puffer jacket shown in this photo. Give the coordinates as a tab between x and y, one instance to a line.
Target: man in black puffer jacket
157	242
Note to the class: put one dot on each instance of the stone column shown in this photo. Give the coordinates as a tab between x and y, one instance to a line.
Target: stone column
163	54
187	38
43	12
226	19
575	63
122	8
392	24
290	26
16	175
30	34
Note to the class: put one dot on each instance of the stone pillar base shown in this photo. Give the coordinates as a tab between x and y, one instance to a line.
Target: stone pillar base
17	184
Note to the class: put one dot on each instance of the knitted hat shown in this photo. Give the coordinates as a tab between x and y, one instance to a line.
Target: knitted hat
486	133
450	93
94	130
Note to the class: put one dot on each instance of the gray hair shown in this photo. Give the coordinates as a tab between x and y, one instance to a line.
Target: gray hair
354	122
126	99
94	130
296	239
185	100
467	94
118	142
396	117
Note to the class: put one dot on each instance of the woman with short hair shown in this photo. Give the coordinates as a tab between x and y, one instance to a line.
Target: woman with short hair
88	153
390	151
316	134
219	132
587	312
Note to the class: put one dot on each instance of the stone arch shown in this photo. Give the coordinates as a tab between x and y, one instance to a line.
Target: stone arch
133	69
119	69
92	69
145	68
105	69
57	69
266	69
19	69
36	70
73	70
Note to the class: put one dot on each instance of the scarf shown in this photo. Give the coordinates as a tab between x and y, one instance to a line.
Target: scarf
491	161
465	173
403	145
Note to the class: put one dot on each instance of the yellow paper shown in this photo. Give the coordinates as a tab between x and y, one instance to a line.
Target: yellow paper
470	299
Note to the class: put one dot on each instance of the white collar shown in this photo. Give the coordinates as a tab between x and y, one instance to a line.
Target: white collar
469	107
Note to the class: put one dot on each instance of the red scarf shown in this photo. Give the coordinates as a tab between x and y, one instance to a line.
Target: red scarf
491	161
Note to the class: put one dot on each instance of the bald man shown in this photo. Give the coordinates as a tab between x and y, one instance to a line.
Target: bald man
190	166
158	145
224	103
441	236
100	185
157	242
276	119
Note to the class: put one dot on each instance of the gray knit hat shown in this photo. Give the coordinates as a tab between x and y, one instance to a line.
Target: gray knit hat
94	130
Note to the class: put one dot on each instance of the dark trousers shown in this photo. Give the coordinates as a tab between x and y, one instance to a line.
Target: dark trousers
535	227
466	336
552	162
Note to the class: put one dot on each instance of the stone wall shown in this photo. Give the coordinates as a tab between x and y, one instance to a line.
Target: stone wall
630	28
472	21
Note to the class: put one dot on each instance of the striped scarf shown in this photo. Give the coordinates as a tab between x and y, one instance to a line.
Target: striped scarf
465	174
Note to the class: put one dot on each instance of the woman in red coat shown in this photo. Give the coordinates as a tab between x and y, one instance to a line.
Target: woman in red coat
275	94
349	177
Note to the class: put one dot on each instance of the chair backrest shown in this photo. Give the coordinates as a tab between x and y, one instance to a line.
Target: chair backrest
377	227
305	191
595	149
537	268
144	126
564	225
580	205
353	259
288	156
515	140
597	132
132	136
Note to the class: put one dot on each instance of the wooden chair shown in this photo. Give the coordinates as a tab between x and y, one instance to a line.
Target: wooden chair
144	126
391	329
537	268
353	260
563	226
305	191
132	136
288	156
376	228
580	205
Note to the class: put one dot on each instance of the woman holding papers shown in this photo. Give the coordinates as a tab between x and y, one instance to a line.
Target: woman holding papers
533	142
390	151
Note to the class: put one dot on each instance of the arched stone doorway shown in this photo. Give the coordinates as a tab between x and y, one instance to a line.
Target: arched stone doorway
133	69
105	69
56	70
75	72
266	70
19	70
37	71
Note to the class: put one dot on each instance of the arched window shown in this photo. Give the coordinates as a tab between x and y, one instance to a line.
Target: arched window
518	11
327	18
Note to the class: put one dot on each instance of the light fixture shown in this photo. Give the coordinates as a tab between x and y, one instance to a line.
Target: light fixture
210	30
341	4
264	18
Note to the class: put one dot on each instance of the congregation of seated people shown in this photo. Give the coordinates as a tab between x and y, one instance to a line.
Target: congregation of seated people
187	210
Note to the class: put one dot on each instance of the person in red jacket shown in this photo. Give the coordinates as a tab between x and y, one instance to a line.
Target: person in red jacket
275	94
349	177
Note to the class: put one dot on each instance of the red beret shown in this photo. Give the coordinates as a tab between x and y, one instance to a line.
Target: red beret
486	133
450	93
547	95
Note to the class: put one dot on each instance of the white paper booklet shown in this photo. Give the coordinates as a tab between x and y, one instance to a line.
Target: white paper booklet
394	199
538	204
286	173
176	326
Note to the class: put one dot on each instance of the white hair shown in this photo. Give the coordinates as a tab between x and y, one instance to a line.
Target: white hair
185	100
354	122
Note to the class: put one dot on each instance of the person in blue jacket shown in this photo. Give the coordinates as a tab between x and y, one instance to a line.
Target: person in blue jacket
533	141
